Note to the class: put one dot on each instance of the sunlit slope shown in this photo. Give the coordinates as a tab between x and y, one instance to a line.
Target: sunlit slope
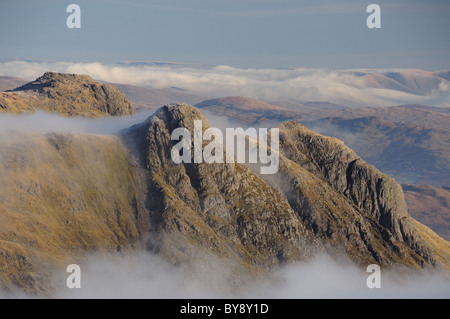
62	196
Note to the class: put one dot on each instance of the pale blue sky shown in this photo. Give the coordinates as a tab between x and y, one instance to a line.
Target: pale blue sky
244	33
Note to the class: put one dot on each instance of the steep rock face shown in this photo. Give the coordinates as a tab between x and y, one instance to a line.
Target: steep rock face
368	189
223	208
337	222
67	94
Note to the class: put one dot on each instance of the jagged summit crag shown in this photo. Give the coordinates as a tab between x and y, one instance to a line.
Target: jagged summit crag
65	195
67	94
224	208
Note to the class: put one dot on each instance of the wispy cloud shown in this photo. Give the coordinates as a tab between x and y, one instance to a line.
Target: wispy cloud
42	122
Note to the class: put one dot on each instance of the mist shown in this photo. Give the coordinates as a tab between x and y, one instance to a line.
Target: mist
43	122
148	276
144	275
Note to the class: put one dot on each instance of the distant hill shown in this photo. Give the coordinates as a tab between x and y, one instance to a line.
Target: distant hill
307	106
443	74
421	115
248	111
10	83
412	81
147	98
430	206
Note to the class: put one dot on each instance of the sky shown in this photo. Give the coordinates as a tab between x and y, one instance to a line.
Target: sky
240	33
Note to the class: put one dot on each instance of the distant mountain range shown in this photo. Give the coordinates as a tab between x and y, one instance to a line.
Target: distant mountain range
410	81
147	98
248	111
412	141
66	195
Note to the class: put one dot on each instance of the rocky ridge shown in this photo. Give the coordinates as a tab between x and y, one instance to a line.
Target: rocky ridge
372	193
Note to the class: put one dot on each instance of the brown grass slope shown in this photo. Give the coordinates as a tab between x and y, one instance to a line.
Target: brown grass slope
63	196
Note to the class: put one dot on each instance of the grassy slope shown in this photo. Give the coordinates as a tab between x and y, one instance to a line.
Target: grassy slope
61	196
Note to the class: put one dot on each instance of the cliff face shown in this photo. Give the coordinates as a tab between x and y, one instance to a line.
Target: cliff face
68	95
64	195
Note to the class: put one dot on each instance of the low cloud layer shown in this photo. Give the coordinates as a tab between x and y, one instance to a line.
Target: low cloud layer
143	275
42	122
347	87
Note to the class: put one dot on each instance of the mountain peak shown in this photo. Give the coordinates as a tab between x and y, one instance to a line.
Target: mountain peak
54	79
182	115
68	95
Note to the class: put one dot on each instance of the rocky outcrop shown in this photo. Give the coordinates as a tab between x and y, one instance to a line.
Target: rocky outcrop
367	188
223	208
346	203
67	94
